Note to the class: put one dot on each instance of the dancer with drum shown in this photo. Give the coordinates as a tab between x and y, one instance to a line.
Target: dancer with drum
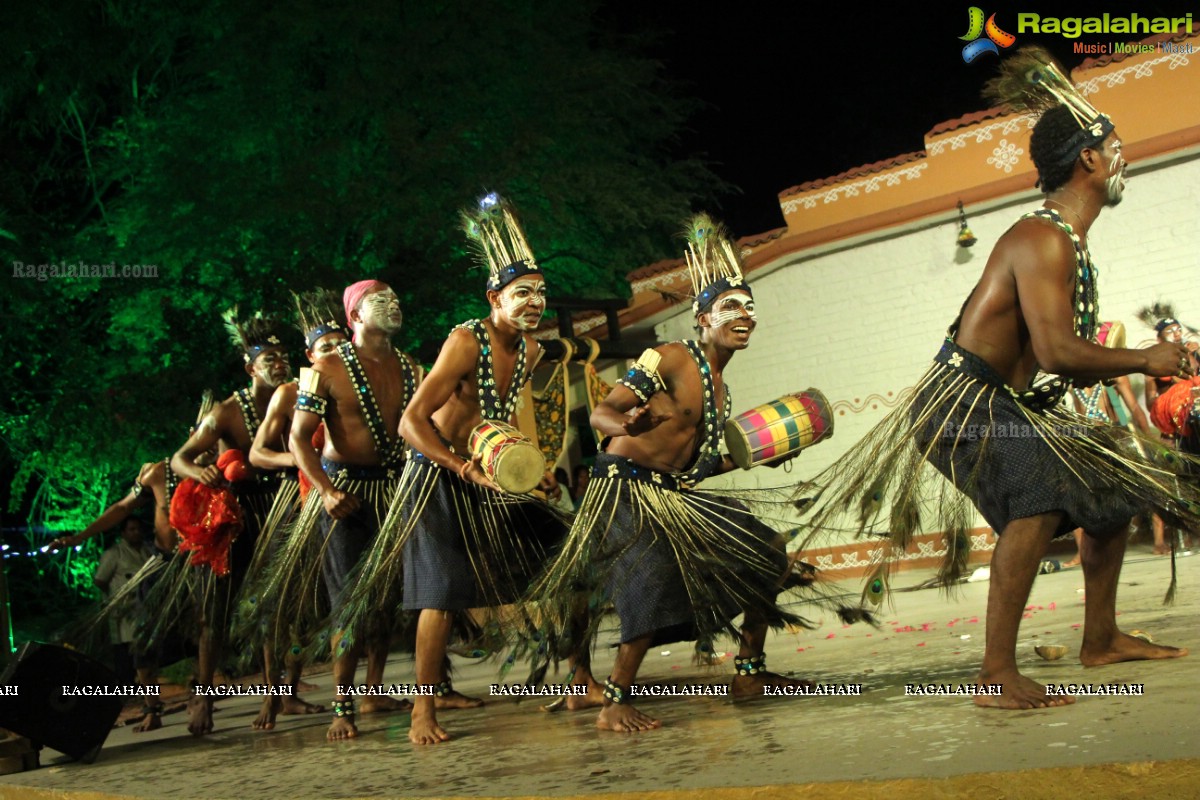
676	563
360	393
460	531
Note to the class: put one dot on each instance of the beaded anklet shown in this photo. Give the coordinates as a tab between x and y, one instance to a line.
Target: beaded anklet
614	692
343	708
752	665
442	689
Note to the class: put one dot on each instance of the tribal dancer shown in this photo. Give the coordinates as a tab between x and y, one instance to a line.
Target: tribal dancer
677	563
323	333
460	542
232	425
360	393
986	421
155	484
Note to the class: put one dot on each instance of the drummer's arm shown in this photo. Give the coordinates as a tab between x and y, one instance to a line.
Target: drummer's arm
627	411
455	363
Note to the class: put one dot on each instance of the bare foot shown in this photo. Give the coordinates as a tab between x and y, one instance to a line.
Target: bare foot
1074	562
1161	549
1126	648
456	700
341	728
304	686
746	687
290	704
593	699
152	721
624	718
265	721
382	704
1017	692
425	729
199	709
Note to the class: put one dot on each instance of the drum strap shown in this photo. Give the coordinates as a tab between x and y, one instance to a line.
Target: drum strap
491	405
708	454
388	448
1046	392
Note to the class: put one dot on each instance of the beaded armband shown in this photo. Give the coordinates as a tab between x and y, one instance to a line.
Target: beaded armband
307	401
614	692
752	665
343	708
307	398
642	378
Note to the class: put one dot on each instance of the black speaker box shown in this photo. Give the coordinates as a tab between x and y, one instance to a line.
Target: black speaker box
34	701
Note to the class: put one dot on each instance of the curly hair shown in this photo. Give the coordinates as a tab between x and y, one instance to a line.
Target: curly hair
1045	147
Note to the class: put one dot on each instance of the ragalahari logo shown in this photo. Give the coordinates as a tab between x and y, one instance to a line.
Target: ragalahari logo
976	28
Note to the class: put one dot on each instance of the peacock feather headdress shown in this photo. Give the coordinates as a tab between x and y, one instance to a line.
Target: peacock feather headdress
713	260
499	241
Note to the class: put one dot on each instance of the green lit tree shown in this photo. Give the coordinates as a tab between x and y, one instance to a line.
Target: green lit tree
245	149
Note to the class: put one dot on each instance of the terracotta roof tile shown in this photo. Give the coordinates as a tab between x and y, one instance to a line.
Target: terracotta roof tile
965	120
865	169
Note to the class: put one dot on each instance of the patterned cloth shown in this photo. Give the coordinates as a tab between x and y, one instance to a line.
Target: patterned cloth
1010	468
741	567
469	546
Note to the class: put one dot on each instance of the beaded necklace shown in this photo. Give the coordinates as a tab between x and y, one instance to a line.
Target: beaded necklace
171	479
245	401
708	453
491	405
1046	392
388	449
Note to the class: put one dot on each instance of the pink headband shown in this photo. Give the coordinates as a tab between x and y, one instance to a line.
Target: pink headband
356	291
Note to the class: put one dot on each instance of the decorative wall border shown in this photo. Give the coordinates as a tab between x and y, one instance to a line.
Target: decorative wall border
867	185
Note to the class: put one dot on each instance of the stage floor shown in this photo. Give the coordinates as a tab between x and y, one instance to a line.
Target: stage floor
927	746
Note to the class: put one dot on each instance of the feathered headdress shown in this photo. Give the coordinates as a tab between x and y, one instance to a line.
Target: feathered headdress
253	335
1161	315
317	314
1030	80
713	261
499	241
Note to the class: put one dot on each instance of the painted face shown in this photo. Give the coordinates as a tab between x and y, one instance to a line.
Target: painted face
381	310
271	366
523	301
1114	185
1172	333
326	345
730	307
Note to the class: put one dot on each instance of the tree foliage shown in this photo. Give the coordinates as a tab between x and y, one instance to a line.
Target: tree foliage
246	149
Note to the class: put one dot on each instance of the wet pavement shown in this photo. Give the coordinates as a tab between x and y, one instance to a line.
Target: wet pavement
510	749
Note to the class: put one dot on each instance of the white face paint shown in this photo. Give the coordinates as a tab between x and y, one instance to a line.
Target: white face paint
731	307
1172	333
272	367
326	345
381	310
523	301
1115	184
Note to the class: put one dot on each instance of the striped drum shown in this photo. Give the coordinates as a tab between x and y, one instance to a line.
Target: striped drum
507	456
779	428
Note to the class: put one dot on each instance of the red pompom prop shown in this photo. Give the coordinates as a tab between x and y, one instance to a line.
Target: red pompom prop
1171	408
237	471
208	520
229	457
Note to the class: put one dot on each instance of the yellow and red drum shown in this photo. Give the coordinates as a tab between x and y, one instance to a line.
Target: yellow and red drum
507	456
779	428
1111	334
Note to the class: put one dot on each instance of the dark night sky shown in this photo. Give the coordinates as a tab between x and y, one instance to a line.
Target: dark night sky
796	93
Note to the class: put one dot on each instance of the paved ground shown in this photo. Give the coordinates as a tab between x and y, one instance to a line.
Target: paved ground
944	743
